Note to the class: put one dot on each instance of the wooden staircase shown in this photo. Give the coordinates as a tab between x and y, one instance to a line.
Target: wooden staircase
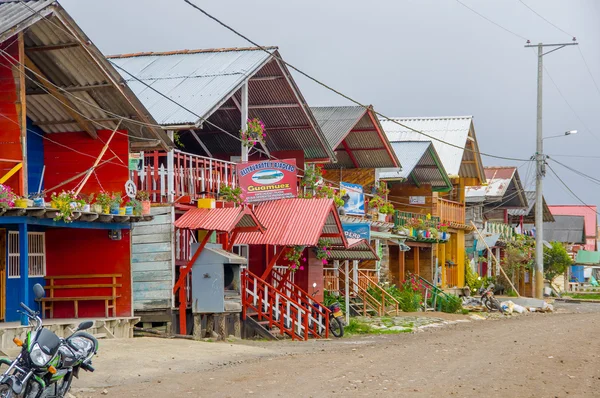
283	311
363	302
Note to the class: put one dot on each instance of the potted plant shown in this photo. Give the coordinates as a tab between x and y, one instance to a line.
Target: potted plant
386	210
132	206
38	200
144	198
115	204
7	197
87	202
231	195
254	134
103	201
443	227
66	203
21	202
322	250
293	256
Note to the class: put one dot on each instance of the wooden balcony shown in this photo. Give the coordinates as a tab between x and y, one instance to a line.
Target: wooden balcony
404	219
449	211
183	175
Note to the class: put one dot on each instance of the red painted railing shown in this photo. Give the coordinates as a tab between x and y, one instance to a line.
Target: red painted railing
280	310
193	175
319	317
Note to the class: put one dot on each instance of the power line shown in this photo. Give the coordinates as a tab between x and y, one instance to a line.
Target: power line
491	21
571	191
337	91
547	21
587	66
580	173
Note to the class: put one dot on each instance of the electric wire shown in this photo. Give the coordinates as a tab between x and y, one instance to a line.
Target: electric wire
542	17
491	21
571	191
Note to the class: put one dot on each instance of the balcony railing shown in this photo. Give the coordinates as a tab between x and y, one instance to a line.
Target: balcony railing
190	175
449	211
405	219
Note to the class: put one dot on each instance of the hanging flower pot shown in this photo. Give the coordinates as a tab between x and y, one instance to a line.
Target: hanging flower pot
423	234
114	209
128	210
382	217
38	202
96	208
254	134
122	211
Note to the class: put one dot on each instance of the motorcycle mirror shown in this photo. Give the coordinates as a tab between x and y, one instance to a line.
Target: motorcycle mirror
85	325
38	291
314	284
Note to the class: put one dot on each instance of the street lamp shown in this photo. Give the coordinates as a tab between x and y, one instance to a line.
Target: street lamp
570	132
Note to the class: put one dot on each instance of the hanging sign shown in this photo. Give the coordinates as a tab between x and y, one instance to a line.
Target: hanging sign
355	205
416	200
267	180
134	161
357	230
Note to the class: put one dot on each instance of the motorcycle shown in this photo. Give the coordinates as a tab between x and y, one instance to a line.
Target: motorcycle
488	300
47	363
336	317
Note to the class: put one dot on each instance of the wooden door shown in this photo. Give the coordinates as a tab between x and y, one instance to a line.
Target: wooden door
2	274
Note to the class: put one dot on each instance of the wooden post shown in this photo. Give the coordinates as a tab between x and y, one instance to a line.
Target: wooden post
347	291
23	113
244	118
497	261
416	260
171	171
24	269
197	332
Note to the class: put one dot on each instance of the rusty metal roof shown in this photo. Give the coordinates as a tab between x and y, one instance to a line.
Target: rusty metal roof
296	222
356	136
208	84
503	190
68	59
528	213
222	219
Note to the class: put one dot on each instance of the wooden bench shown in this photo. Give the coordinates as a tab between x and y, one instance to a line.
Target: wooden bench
110	301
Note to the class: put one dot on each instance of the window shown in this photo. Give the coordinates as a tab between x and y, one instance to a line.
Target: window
37	254
240	250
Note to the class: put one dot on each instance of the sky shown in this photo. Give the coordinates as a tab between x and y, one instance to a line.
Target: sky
409	58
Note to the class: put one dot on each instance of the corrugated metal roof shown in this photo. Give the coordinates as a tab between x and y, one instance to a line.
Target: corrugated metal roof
528	212
420	160
589	212
455	130
350	128
206	81
503	189
358	249
199	81
294	222
222	219
44	23
588	257
14	13
565	229
337	121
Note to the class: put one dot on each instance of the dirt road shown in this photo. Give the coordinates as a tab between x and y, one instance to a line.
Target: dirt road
538	355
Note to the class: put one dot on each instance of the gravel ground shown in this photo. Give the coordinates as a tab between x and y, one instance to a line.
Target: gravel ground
533	355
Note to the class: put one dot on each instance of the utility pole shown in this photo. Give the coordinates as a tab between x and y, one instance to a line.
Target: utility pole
541	169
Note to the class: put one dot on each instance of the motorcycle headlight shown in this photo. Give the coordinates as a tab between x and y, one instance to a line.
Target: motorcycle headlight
39	357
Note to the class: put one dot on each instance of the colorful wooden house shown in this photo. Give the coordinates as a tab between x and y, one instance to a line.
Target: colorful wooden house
63	106
203	99
455	142
414	191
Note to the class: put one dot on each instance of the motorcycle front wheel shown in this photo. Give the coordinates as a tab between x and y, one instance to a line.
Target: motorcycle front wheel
336	327
6	391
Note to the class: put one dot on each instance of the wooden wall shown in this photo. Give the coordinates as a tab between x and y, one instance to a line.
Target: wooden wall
400	196
89	251
152	265
364	177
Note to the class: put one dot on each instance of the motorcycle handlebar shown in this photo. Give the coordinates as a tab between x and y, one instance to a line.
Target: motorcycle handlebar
26	308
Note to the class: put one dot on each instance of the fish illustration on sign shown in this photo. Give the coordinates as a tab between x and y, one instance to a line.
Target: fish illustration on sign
265	177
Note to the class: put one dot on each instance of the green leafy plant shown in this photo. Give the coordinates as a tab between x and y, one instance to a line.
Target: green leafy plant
556	261
254	134
472	279
294	255
330	298
142	195
177	140
230	194
450	303
7	197
66	203
322	250
136	204
104	199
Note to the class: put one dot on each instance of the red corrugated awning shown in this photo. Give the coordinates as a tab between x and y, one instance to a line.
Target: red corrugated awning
296	222
222	220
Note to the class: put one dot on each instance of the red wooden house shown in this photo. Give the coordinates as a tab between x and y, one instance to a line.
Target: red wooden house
61	102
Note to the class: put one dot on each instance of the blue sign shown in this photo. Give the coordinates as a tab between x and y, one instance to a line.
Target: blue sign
355	205
357	231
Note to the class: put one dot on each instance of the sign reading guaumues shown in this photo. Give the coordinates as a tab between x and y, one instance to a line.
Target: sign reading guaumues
267	180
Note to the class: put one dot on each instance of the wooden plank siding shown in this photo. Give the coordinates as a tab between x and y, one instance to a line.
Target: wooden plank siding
152	261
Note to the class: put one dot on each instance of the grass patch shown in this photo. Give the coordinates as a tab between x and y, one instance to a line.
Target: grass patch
362	328
592	296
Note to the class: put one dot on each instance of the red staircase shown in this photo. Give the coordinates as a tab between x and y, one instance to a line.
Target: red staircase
286	308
